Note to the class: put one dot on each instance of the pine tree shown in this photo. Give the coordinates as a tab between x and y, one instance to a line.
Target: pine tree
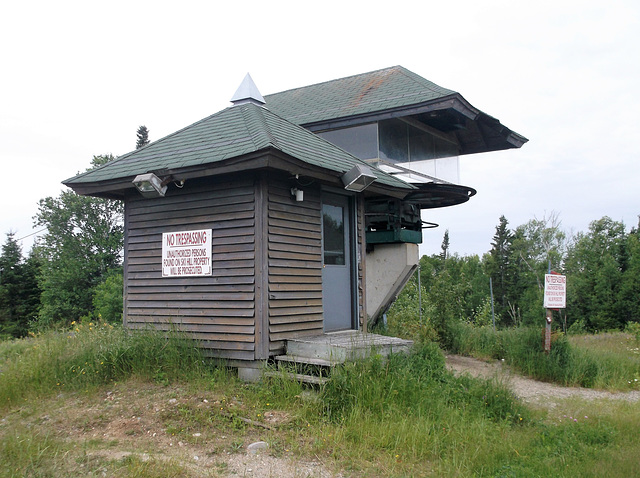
498	263
445	245
19	293
143	137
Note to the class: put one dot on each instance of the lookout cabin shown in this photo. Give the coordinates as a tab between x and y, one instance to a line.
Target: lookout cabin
290	216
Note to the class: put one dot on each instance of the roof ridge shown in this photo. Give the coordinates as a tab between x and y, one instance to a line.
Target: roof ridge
252	111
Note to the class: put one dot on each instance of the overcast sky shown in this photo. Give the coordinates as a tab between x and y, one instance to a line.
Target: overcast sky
78	78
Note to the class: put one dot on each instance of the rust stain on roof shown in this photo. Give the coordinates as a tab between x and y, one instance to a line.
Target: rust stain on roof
373	84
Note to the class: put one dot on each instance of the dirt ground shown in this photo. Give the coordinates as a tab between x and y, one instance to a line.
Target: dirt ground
529	390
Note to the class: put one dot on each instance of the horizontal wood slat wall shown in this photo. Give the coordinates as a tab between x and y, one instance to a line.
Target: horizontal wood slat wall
218	310
294	263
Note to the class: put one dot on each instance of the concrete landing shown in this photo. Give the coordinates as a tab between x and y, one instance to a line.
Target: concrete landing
339	347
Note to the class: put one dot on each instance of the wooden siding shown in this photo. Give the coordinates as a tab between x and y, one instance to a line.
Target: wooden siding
218	310
294	255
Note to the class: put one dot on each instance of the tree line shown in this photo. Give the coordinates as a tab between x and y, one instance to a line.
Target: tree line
602	266
74	270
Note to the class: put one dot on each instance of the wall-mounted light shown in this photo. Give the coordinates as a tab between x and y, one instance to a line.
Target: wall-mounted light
298	194
358	178
150	185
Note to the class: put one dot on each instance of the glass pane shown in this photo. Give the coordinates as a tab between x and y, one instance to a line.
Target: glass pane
421	145
333	234
394	144
361	141
444	149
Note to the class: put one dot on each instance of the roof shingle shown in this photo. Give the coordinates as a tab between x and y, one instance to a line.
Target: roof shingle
232	132
359	94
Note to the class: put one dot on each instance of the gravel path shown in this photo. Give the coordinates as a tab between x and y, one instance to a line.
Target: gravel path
532	391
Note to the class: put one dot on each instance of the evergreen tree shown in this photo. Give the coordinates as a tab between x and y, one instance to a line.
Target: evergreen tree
445	245
630	287
497	265
143	137
19	293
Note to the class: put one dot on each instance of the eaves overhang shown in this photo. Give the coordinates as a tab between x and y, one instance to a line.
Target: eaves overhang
477	133
269	158
455	102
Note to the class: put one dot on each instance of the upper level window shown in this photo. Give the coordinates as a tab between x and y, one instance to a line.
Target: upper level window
403	143
361	141
393	140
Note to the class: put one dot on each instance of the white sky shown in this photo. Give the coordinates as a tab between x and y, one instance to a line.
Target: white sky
78	78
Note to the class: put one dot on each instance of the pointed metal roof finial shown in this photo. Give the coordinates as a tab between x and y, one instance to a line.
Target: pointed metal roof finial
247	92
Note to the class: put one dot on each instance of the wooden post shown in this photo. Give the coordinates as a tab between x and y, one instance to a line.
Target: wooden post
547	331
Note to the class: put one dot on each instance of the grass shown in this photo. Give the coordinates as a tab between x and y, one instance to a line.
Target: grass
404	416
606	361
91	355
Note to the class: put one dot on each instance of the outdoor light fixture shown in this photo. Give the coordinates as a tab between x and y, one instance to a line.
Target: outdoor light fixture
358	178
298	194
150	185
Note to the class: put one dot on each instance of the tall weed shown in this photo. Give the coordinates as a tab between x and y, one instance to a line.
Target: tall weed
90	355
417	383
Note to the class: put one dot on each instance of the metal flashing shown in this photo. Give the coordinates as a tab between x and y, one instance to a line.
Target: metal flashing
247	92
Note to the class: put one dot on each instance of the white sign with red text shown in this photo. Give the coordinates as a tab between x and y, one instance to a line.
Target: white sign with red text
555	291
186	253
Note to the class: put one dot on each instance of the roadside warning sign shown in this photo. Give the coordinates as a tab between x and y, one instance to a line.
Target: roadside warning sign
555	291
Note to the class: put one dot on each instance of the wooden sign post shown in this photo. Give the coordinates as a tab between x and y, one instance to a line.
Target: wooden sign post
555	298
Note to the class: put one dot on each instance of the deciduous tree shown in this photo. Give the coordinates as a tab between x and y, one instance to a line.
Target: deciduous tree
82	245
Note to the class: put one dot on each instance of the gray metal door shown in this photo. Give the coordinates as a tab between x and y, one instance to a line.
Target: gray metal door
337	287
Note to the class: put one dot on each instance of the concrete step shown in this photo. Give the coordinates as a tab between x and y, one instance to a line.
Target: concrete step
306	360
312	379
338	347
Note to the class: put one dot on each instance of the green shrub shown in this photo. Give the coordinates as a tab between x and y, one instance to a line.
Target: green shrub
633	328
416	383
107	299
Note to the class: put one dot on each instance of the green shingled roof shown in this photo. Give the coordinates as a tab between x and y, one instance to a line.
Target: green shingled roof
230	133
376	91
